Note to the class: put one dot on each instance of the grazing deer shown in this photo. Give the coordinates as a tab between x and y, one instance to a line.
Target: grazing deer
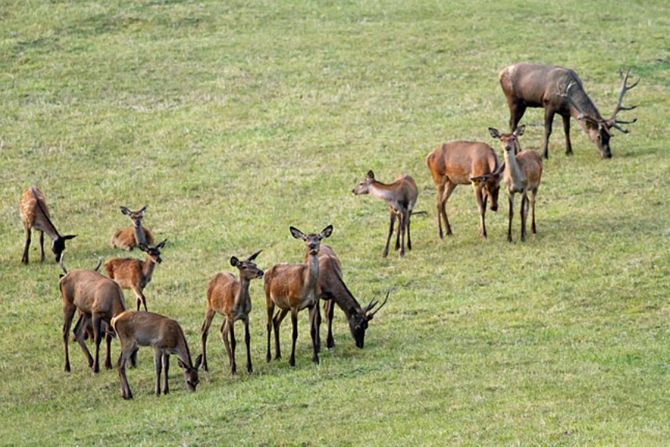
35	214
332	289
459	163
401	197
292	287
135	274
560	91
230	297
134	236
136	329
98	299
523	173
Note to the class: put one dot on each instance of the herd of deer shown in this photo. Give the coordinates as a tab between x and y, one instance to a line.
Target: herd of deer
290	288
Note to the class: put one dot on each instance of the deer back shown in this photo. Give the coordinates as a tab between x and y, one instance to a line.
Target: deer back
287	284
221	293
92	292
459	161
125	271
35	213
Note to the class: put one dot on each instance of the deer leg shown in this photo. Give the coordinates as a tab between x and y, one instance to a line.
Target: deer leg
439	204
388	238
524	215
139	295
317	326
133	358
532	203
516	109
270	308
126	352
68	314
26	248
329	310
277	322
445	197
294	335
247	342
209	316
225	329
108	348
314	318
79	336
409	239
548	122
233	344
401	231
97	335
511	217
566	128
166	368
482	210
41	246
398	230
158	362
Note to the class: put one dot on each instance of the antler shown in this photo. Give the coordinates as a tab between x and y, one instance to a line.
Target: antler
624	88
373	303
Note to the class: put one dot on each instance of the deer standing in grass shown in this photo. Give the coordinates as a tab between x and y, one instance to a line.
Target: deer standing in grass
401	197
560	91
230	297
98	300
292	287
134	236
135	274
136	329
35	214
523	173
332	289
461	163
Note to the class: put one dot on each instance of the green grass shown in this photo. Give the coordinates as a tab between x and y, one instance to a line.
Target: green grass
234	120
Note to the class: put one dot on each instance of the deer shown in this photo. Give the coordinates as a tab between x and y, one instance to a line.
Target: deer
135	235
135	274
560	91
292	287
400	196
136	329
460	163
523	173
332	290
230	298
98	299
35	215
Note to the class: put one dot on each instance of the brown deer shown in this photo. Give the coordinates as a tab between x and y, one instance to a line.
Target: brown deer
401	197
230	297
135	274
134	236
332	289
523	173
136	329
292	287
35	214
98	299
460	163
560	91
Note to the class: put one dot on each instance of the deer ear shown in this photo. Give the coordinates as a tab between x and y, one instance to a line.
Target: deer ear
69	236
198	361
297	233
494	133
520	130
125	210
234	261
143	210
478	179
326	232
252	257
371	175
181	364
162	244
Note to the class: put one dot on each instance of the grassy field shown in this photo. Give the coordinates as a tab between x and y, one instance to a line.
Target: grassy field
233	120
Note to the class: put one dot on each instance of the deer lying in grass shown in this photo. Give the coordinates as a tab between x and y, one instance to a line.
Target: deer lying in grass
560	91
523	173
460	163
230	297
98	299
136	329
292	287
332	289
35	214
134	236
401	197
135	274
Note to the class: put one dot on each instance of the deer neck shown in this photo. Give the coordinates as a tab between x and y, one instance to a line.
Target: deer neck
243	294
582	105
45	222
514	177
312	272
140	237
148	267
338	292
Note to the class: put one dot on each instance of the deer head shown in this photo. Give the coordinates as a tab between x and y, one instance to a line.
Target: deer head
364	186
191	373
313	241
58	245
358	323
490	184
154	252
247	268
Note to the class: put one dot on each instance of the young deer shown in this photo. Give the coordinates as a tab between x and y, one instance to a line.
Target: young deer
230	297
35	214
136	329
292	287
460	163
135	274
401	197
332	289
523	173
98	299
135	235
560	91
